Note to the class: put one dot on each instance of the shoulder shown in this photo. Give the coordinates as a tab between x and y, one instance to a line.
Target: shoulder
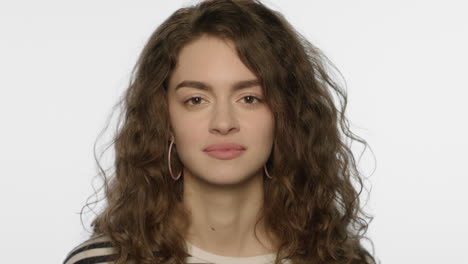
97	249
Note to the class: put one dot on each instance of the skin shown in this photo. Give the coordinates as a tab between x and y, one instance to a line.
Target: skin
223	196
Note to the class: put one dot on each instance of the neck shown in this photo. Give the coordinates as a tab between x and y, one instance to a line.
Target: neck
223	219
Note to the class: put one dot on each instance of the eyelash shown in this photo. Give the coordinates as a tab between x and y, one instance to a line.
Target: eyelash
191	98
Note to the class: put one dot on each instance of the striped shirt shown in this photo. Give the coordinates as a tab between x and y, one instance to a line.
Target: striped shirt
99	250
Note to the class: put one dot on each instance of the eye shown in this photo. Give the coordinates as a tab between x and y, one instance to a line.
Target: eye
192	99
252	98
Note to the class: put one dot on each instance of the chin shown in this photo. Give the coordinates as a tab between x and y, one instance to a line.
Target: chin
216	172
228	179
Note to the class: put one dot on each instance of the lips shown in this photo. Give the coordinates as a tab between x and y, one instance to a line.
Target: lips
225	151
224	147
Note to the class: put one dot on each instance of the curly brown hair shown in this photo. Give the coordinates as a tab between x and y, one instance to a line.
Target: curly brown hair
312	203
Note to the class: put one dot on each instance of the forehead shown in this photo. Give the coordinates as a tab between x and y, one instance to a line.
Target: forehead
210	60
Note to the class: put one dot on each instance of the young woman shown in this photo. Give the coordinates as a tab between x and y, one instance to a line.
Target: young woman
231	149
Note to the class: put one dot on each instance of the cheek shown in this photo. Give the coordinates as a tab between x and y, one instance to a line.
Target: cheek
172	112
188	130
177	118
264	124
269	132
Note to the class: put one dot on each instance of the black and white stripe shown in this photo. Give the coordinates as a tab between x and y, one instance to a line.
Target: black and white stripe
99	250
92	251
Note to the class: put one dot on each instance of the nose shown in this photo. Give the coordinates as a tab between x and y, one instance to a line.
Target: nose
224	120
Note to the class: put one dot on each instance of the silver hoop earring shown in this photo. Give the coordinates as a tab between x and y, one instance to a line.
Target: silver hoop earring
169	163
266	172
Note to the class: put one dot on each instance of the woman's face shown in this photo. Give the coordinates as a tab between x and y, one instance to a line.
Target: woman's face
219	113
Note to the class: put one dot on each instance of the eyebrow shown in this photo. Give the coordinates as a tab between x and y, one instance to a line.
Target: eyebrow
204	86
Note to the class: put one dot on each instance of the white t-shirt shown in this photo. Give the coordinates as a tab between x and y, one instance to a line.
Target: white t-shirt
201	256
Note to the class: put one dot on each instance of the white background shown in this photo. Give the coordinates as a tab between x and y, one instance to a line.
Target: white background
63	65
